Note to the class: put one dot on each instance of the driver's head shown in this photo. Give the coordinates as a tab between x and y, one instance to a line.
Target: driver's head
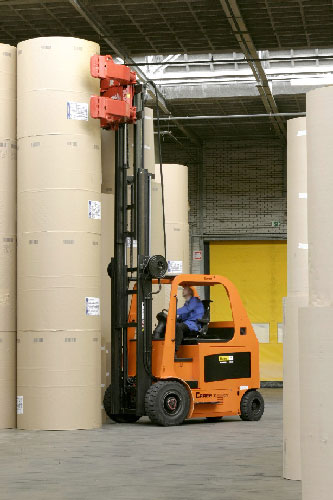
187	292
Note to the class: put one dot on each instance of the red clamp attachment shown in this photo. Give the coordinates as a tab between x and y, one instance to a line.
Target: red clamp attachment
104	67
115	103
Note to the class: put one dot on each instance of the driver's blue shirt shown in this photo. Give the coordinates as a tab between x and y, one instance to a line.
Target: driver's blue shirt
192	310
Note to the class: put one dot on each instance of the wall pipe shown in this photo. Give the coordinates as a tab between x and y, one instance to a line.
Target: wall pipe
223	117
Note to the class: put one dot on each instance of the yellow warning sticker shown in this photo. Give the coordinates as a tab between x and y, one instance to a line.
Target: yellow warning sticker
226	359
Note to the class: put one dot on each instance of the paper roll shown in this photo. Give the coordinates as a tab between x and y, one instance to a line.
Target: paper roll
7	236
59	227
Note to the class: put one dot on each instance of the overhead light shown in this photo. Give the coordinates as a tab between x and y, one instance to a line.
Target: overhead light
320	80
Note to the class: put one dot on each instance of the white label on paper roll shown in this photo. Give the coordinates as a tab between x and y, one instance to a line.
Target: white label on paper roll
303	246
94	209
147	147
77	111
19	405
175	266
303	195
92	306
147	117
301	132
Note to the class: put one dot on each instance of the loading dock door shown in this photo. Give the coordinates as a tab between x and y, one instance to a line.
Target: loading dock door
259	270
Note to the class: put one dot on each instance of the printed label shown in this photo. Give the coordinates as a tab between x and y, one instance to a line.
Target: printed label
175	266
94	209
19	405
77	111
92	306
301	132
243	387
226	359
303	195
303	246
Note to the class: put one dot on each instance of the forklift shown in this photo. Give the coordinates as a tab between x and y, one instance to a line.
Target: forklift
216	371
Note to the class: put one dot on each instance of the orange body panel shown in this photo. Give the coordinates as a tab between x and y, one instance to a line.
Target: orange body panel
209	398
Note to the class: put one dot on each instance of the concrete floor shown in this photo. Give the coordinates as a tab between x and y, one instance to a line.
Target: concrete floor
231	460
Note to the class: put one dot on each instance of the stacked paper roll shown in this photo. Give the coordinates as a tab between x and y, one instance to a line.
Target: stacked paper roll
59	243
149	142
316	341
7	236
107	244
297	254
175	181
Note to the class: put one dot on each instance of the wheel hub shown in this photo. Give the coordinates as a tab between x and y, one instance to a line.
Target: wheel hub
171	403
255	405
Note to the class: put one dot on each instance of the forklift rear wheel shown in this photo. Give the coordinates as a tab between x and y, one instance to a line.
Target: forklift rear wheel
213	419
120	419
252	406
167	403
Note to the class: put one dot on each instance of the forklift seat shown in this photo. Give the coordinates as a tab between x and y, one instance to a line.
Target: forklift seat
204	321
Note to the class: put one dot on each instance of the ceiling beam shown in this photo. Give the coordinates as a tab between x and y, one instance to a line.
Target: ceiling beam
246	44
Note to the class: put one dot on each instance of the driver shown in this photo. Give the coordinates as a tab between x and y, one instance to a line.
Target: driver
188	315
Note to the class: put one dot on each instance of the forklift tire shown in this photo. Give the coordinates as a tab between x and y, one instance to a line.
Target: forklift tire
120	419
252	406
213	419
167	403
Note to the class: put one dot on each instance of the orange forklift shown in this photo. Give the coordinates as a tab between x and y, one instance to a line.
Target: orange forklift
216	371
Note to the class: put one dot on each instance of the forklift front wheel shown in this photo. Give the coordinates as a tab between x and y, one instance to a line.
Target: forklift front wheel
167	403
121	418
252	406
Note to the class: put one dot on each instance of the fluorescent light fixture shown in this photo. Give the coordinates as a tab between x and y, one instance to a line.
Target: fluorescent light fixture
320	80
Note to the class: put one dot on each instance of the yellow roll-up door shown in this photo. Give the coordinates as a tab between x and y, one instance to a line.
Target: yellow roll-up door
259	270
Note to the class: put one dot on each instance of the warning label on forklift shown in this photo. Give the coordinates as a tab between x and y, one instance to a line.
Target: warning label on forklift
94	209
77	111
92	306
226	359
19	405
175	266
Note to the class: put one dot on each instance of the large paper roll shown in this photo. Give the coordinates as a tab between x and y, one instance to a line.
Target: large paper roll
107	245
59	231
7	236
316	362
59	380
175	180
316	344
297	251
7	92
297	256
149	142
319	104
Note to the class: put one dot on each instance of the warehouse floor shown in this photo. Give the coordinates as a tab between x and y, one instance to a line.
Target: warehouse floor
231	460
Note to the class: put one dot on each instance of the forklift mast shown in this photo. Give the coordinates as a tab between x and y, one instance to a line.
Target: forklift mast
121	102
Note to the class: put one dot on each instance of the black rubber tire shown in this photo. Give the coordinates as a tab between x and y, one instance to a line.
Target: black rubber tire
167	403
252	406
120	419
213	419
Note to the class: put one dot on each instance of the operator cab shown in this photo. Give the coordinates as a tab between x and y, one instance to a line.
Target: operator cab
221	331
